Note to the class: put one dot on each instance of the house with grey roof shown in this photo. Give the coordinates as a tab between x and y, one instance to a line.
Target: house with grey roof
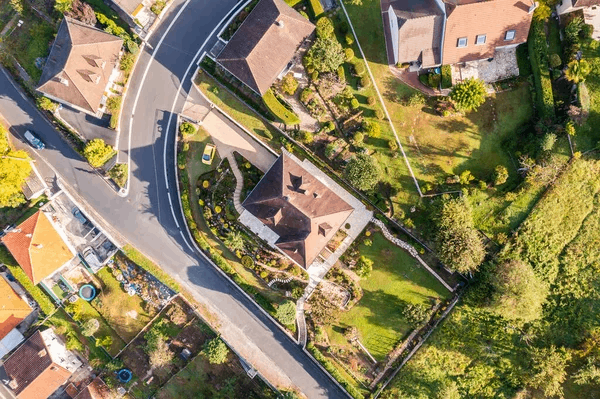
261	49
79	67
416	28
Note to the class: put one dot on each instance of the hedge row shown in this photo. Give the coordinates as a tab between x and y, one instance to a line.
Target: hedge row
292	3
446	76
317	8
583	95
331	369
538	56
36	292
279	110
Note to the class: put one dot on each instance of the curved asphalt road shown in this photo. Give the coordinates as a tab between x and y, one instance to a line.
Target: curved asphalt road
145	218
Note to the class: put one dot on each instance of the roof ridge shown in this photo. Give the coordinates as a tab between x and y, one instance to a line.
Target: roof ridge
78	89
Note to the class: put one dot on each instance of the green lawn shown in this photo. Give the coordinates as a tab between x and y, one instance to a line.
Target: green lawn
30	41
588	135
118	308
437	146
396	280
195	167
83	311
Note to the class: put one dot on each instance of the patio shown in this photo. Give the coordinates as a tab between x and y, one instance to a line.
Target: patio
502	66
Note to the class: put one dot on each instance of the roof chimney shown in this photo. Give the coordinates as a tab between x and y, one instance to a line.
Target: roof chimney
533	7
42	353
38	246
28	235
13	384
280	23
63	81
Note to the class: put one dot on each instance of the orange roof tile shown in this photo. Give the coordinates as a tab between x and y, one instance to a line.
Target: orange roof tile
13	309
37	247
46	383
491	18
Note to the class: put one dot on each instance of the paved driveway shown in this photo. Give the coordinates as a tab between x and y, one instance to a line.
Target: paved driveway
89	126
227	136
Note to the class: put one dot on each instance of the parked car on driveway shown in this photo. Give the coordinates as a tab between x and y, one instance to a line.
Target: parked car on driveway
209	154
79	216
34	140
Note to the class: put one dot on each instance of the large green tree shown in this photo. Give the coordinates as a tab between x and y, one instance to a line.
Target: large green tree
14	169
460	246
548	370
216	351
97	152
362	172
469	94
518	293
325	55
286	313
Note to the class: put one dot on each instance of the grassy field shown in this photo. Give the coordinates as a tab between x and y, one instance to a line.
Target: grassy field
30	41
396	280
482	353
126	314
437	146
200	379
83	311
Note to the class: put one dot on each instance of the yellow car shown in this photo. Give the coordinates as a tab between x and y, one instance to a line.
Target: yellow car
209	154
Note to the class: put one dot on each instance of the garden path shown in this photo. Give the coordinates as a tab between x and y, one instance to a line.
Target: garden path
307	122
239	183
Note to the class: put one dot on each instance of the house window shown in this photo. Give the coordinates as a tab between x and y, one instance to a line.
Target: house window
462	42
480	39
510	35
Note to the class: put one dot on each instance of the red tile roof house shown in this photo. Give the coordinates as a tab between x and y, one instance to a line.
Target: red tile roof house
81	66
591	12
259	52
463	30
39	366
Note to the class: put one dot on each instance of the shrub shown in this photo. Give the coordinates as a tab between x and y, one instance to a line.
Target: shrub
325	55
306	95
393	145
371	100
364	266
46	104
119	174
305	137
324	27
359	68
289	84
62	6
373	129
341	73
500	175
113	104
554	60
586	31
379	114
469	94
216	351
314	76
548	141
132	47
329	126
416	98
330	149
97	152
354	103
218	209
279	110
247	262
446	77
349	39
286	313
335	373
358	137
365	81
316	7
415	313
349	54
570	128
362	172
577	71
126	63
187	129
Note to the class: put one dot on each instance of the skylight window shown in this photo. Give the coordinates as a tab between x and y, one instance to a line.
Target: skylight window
480	39
462	42
510	35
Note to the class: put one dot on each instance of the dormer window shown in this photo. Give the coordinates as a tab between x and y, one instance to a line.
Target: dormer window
462	42
510	35
480	39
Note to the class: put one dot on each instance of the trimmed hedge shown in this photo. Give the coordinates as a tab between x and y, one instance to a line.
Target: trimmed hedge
538	56
317	8
292	3
583	95
446	76
36	292
279	110
331	369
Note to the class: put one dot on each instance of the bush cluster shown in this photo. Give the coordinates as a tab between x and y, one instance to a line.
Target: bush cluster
331	369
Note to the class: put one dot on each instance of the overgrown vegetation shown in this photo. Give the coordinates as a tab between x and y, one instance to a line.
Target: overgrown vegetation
14	170
97	152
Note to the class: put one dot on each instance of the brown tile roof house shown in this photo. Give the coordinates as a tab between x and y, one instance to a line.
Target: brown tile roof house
264	44
37	247
416	30
301	210
38	367
97	389
474	29
80	63
13	309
